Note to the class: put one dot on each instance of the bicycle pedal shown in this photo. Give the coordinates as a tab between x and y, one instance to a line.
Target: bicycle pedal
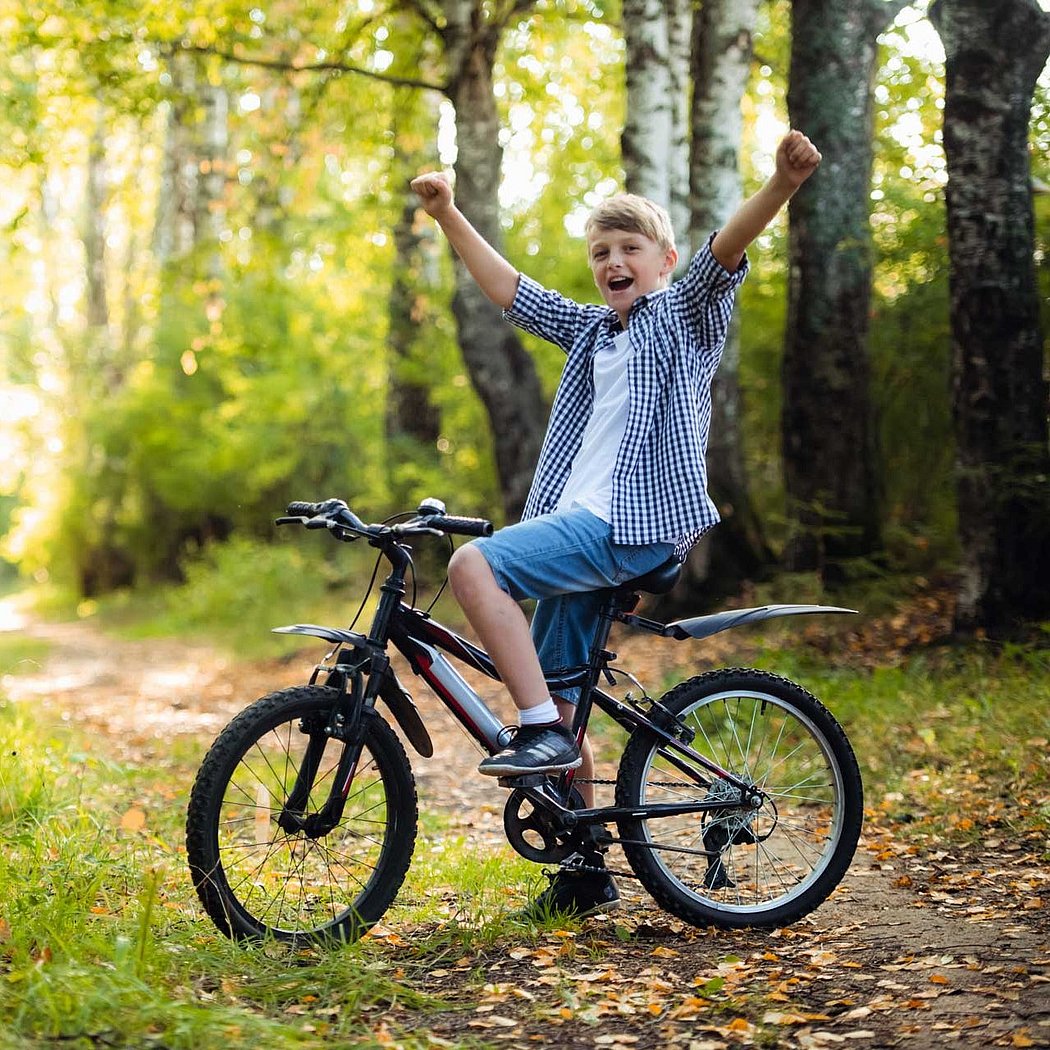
528	780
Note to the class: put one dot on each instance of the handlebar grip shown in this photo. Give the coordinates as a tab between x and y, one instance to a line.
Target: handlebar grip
300	509
463	526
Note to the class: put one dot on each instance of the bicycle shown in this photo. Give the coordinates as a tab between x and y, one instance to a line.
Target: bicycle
738	799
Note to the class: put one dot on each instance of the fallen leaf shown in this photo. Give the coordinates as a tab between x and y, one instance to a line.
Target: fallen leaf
133	820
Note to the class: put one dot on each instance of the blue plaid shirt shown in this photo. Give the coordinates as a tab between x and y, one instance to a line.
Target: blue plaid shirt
677	335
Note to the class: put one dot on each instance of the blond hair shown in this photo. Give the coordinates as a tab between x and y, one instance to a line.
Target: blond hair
633	214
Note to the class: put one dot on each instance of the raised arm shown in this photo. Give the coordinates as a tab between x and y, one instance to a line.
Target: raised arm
797	158
494	275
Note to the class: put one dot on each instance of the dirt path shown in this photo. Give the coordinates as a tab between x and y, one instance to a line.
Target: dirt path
915	951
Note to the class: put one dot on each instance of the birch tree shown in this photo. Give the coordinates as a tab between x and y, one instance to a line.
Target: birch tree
995	51
655	140
720	62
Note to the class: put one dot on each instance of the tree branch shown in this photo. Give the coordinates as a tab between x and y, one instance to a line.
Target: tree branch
515	9
419	9
284	65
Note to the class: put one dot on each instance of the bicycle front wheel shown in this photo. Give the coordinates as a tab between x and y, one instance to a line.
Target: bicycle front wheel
734	865
299	882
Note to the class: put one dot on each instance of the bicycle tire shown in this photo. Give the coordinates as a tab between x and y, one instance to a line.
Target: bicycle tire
737	867
257	881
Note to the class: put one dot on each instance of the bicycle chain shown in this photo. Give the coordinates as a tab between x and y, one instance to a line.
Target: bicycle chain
612	783
590	869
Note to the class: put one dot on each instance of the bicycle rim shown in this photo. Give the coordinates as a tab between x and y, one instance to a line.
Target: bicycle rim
259	879
737	865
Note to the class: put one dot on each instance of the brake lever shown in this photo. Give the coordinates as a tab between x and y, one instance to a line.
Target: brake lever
291	521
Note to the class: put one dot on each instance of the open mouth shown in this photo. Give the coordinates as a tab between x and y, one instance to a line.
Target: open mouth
618	284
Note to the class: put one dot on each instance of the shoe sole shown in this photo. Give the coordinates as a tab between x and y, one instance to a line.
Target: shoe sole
521	771
599	909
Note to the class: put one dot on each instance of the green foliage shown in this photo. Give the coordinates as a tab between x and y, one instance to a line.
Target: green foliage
253	363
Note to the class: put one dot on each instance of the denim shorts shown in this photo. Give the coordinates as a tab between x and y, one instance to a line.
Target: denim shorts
565	560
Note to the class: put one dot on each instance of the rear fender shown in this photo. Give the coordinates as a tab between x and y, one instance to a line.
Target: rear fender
705	626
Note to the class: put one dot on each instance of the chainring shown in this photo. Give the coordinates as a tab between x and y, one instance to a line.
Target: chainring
532	830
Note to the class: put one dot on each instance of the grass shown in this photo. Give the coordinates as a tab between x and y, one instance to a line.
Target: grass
953	744
20	654
102	942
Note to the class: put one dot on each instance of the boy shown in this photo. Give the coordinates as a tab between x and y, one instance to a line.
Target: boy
621	484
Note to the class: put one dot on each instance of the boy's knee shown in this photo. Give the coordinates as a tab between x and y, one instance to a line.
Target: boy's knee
467	568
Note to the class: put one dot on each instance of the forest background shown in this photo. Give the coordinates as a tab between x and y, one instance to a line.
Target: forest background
218	295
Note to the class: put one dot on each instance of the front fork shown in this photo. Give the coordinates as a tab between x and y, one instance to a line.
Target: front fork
346	725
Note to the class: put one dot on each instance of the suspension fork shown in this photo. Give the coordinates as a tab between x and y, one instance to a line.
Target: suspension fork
345	726
347	720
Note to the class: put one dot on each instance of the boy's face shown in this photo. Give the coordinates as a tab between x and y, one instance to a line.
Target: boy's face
628	265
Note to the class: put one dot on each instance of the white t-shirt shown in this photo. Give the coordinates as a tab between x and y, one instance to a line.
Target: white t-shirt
590	483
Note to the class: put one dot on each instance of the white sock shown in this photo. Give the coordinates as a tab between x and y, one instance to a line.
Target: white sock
541	714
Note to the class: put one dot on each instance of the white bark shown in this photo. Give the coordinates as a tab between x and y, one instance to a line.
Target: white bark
721	58
654	143
721	62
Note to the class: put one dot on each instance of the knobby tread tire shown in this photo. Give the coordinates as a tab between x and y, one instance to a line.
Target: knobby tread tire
209	791
694	905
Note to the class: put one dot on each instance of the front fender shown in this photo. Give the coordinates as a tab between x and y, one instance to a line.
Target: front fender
390	690
337	635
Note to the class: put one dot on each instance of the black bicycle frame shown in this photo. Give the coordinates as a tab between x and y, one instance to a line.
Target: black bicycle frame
423	641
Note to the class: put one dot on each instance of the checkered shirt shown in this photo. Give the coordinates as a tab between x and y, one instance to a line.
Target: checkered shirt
677	335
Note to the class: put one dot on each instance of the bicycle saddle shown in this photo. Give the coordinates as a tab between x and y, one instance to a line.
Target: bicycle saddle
656	581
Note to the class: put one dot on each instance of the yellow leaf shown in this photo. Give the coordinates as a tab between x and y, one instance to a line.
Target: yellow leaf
938	978
1022	1038
133	820
778	1017
664	953
739	1024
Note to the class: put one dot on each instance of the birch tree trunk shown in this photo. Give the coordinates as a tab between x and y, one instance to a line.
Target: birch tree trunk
721	58
500	369
93	232
654	143
831	473
174	232
995	51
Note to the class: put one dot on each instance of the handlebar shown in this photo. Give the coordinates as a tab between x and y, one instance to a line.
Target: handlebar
336	516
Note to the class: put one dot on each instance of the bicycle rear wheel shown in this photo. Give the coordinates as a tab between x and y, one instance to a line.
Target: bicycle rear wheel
735	866
258	880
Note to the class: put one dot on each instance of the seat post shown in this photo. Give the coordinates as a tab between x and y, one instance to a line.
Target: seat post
597	658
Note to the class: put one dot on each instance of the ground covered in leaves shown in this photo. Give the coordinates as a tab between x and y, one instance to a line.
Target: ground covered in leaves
939	935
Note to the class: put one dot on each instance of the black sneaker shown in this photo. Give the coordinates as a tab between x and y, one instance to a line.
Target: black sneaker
534	749
575	894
